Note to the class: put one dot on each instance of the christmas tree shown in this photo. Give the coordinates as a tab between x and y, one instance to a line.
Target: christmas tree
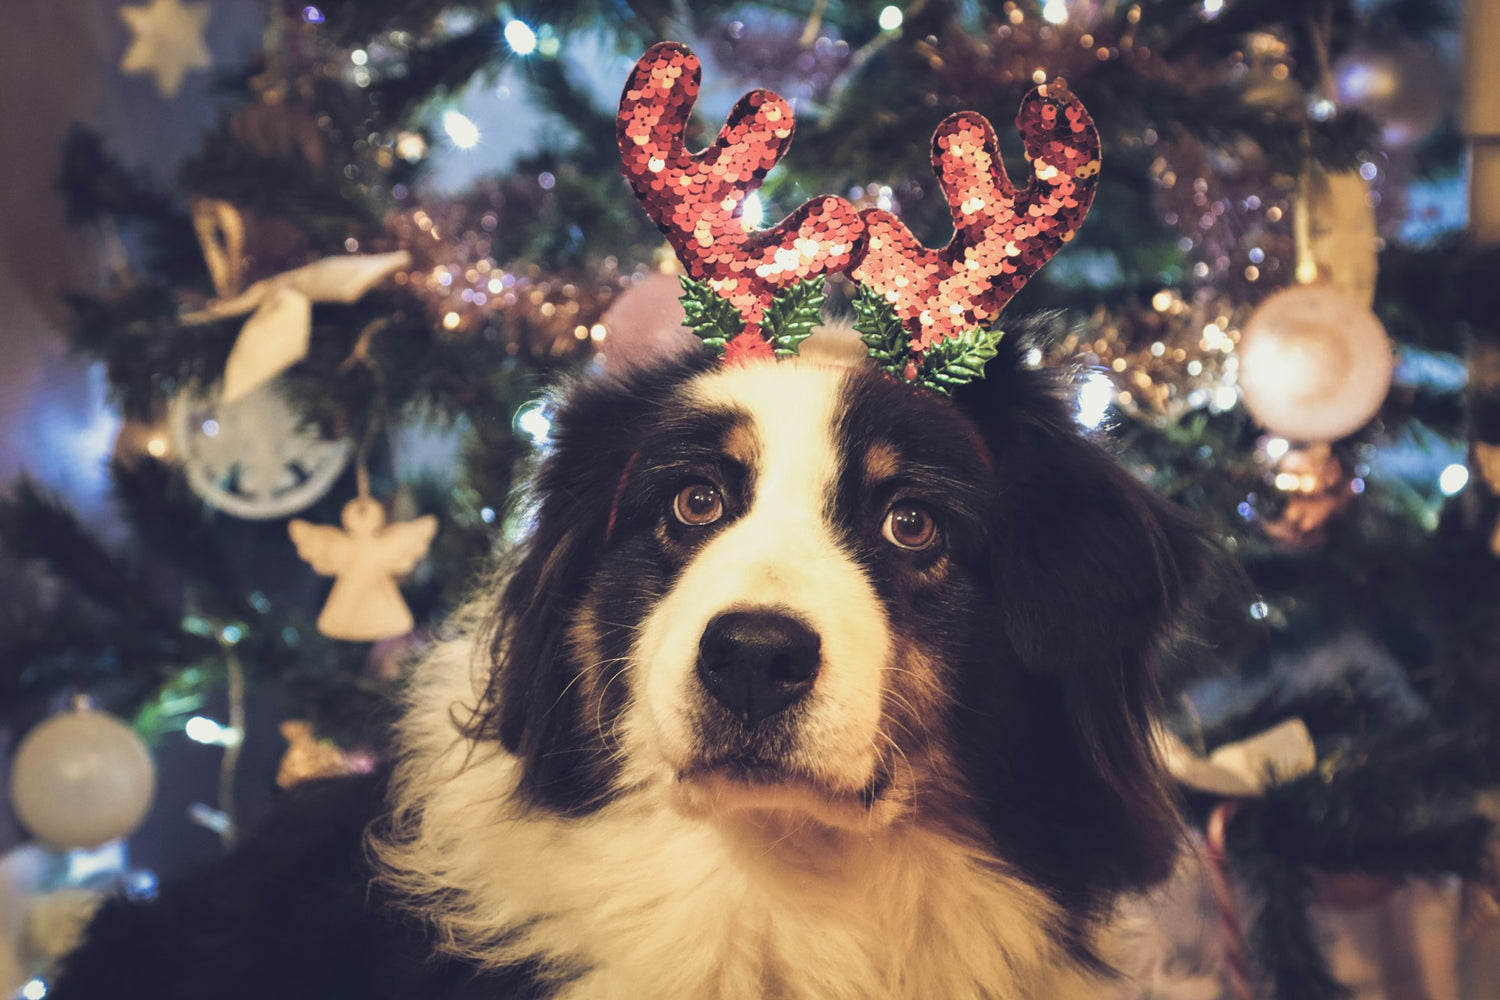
321	346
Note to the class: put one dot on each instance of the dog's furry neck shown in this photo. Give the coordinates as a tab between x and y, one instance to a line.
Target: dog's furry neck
669	904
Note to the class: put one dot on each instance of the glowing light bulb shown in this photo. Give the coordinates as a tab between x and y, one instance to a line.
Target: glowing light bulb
533	421
752	211
520	37
1094	397
1454	478
461	129
202	730
1055	11
890	18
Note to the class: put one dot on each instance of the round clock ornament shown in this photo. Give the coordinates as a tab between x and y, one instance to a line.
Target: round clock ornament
255	457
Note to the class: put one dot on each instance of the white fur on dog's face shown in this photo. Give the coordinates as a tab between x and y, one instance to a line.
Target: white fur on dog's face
781	553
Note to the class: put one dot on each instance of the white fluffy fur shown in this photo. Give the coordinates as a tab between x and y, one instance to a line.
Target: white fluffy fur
722	892
780	554
659	903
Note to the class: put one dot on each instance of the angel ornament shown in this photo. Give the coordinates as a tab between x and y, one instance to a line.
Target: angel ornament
364	558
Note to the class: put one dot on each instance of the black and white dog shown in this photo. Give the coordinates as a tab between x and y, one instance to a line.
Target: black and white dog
807	685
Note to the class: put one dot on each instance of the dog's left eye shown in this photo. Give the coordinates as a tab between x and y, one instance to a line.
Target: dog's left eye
910	526
698	504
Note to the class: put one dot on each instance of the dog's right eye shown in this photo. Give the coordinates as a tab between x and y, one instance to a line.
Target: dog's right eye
698	504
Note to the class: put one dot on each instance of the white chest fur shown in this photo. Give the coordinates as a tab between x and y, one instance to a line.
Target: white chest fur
650	901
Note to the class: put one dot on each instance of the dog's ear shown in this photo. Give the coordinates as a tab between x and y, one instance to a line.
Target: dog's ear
532	704
1091	571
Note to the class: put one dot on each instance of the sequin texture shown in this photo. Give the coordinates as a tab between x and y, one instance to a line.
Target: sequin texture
697	199
1000	237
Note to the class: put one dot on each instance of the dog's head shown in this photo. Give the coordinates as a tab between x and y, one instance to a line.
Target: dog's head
813	590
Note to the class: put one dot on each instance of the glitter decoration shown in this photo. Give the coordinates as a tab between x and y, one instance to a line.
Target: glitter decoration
1000	237
697	199
1175	358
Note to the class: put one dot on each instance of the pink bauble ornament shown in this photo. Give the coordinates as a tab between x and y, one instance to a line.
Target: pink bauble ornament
644	324
81	779
1406	86
1314	364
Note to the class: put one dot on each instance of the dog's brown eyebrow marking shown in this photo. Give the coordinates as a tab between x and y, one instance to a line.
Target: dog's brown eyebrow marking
881	462
741	443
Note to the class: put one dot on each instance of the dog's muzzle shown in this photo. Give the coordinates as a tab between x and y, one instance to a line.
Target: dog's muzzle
758	663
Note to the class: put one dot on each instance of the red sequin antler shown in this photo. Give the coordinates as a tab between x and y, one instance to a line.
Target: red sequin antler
1000	237
698	198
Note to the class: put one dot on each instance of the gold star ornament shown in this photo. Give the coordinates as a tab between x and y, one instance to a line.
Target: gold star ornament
168	42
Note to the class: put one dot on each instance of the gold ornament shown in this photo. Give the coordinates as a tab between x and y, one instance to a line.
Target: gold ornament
1336	238
168	41
221	235
1314	363
1167	361
1316	487
364	558
1487	457
308	757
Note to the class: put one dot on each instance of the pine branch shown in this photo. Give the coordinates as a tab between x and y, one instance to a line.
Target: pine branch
791	316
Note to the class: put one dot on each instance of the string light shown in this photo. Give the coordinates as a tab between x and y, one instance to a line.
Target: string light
1094	398
520	37
461	129
201	729
1055	11
890	18
1454	478
532	420
752	211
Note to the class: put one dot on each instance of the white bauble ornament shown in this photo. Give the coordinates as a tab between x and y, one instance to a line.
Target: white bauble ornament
81	779
1314	364
255	457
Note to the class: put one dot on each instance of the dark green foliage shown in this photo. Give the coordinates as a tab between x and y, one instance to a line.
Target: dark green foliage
791	316
709	315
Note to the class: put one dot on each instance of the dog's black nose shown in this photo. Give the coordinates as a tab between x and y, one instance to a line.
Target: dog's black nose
757	663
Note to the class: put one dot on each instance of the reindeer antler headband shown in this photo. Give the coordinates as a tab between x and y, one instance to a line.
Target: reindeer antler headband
922	312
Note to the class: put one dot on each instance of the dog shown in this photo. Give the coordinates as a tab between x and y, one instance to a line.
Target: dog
811	681
806	685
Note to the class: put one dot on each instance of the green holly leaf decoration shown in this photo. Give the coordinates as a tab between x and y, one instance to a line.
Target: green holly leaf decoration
881	330
709	315
791	316
956	360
